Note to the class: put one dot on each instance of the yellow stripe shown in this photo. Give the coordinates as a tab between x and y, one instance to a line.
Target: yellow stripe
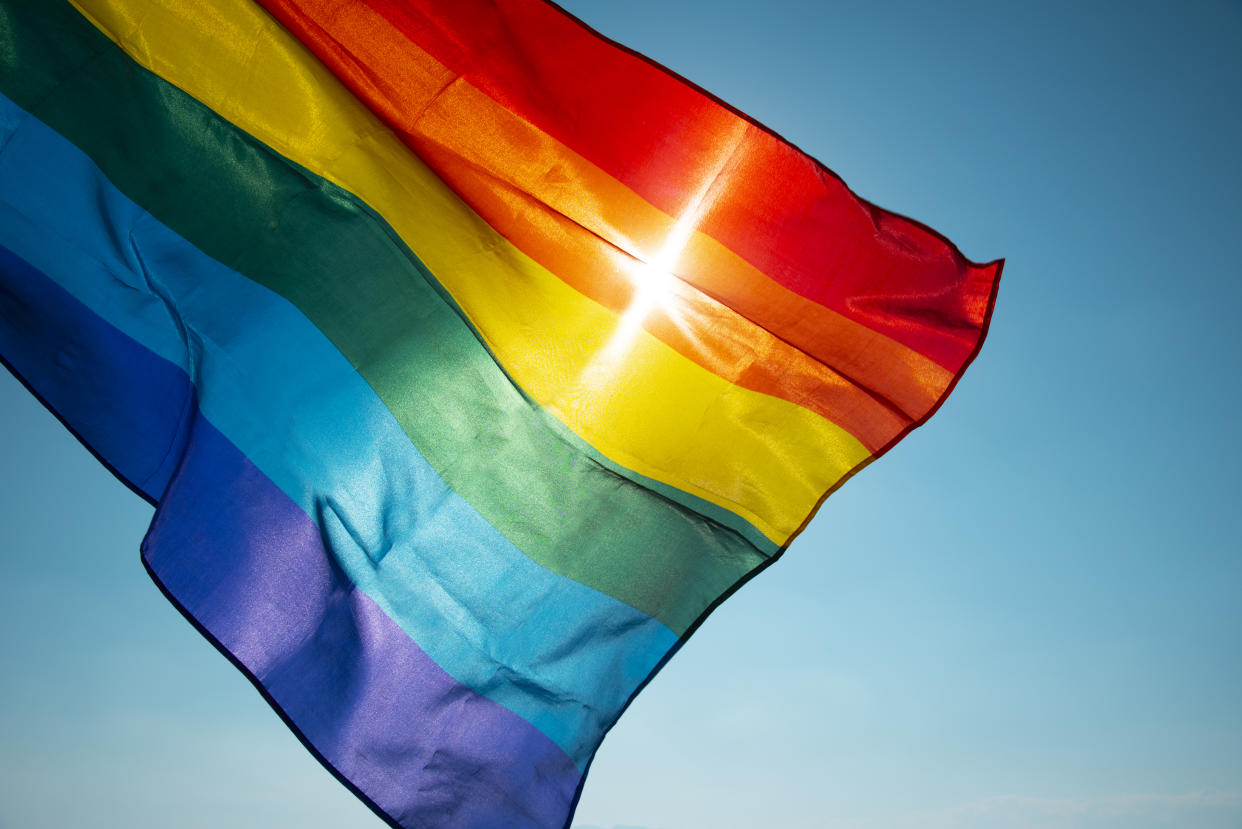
476	129
644	406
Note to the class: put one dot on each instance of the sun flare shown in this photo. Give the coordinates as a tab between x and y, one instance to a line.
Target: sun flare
654	286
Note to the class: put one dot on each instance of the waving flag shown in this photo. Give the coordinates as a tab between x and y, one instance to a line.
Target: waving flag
469	359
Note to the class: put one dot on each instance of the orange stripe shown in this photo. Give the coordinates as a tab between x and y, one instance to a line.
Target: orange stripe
458	135
698	327
516	176
662	138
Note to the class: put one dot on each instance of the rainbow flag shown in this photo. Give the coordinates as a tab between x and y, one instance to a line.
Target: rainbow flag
469	359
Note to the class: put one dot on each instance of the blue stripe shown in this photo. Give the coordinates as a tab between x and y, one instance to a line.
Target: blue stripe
560	654
249	567
125	403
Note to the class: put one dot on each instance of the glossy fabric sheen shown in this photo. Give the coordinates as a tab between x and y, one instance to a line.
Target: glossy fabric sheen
591	230
425	750
696	326
250	567
504	457
650	409
668	142
287	399
432	464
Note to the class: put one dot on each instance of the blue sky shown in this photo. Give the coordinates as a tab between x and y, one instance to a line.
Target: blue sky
1025	616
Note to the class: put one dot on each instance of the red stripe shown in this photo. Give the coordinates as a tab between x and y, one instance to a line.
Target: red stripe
661	137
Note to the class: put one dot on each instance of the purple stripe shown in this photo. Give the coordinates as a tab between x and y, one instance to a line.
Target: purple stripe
250	568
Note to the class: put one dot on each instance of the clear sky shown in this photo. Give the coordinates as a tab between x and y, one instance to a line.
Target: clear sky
1028	615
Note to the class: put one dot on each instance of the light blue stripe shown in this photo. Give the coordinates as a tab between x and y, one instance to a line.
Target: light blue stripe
563	656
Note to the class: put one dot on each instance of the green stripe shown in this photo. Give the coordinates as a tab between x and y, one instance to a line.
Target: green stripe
345	269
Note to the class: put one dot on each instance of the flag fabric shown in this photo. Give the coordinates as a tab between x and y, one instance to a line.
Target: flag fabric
469	359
